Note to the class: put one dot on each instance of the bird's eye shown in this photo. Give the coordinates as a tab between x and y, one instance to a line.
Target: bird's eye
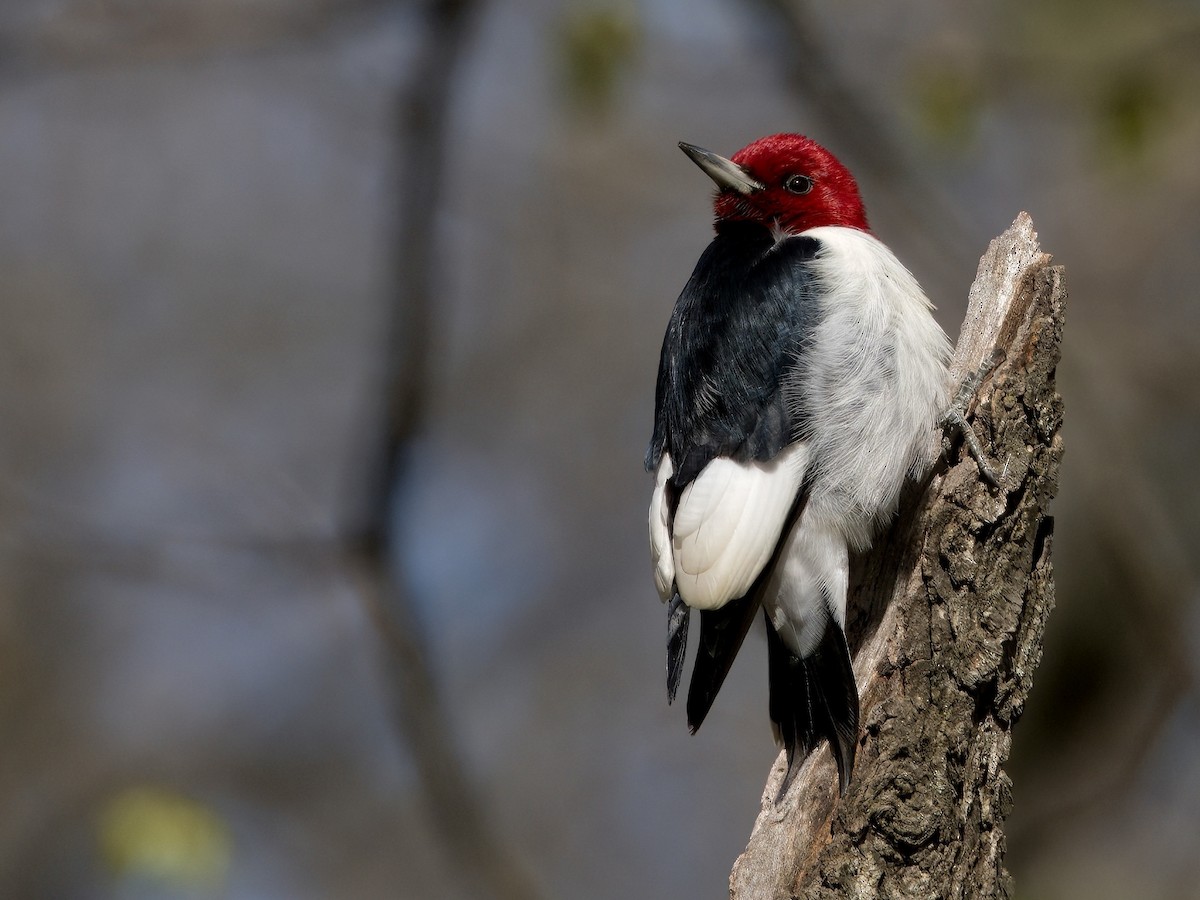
797	184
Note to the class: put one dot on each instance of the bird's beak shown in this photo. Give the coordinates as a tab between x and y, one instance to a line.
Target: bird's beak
727	174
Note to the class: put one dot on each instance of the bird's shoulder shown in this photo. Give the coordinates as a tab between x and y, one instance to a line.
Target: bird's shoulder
747	264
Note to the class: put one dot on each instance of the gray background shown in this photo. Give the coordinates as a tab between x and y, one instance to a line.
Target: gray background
197	263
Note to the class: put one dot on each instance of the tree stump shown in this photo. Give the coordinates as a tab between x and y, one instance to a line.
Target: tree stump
947	614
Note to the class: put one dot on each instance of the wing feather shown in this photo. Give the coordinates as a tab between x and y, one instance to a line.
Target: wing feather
660	531
728	522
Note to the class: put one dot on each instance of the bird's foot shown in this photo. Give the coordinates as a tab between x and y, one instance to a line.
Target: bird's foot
954	419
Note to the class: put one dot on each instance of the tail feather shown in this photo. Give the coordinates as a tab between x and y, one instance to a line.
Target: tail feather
812	699
721	634
678	615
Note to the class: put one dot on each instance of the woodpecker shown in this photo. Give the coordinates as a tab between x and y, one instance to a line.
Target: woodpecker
802	380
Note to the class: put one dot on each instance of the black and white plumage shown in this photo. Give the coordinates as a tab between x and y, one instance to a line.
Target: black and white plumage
801	380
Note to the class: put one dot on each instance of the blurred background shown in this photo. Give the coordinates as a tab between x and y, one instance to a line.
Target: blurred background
328	336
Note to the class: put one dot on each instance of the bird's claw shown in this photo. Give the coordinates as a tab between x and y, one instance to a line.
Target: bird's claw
955	418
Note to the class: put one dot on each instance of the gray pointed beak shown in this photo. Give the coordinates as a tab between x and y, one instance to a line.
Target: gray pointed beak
727	174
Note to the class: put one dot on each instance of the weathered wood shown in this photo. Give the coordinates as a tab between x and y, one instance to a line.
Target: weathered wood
947	617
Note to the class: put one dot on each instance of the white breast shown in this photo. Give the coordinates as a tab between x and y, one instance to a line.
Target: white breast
872	382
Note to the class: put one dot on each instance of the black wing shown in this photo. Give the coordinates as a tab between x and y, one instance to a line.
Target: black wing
740	324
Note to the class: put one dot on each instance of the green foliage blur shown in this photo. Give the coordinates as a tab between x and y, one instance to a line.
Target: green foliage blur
598	46
151	834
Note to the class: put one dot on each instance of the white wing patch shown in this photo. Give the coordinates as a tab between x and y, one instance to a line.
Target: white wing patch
660	531
726	526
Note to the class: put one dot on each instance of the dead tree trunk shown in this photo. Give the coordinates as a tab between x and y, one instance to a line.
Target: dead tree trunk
947	617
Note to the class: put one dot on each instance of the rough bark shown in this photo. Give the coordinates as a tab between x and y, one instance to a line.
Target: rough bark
947	617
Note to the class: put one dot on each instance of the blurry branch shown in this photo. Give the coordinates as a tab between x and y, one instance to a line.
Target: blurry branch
82	35
142	31
452	800
949	615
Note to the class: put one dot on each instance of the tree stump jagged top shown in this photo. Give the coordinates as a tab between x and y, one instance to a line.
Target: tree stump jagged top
947	615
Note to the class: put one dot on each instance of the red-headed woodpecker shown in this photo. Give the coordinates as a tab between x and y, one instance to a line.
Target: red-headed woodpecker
801	381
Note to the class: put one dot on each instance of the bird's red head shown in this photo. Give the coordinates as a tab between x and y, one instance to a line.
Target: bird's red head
785	181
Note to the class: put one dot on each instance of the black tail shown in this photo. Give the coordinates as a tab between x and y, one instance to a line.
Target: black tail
814	698
721	634
678	615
